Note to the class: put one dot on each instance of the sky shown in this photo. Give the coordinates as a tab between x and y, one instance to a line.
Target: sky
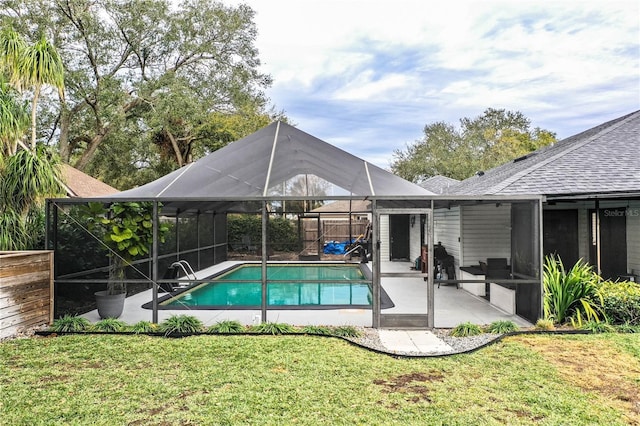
368	75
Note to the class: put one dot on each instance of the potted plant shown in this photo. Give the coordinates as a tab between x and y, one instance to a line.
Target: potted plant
128	234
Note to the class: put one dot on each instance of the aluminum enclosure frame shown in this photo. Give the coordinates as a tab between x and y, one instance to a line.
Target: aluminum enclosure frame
379	205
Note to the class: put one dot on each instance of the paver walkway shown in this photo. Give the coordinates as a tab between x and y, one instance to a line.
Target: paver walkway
423	341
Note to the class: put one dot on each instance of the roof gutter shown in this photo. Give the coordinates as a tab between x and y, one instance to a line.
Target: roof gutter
592	196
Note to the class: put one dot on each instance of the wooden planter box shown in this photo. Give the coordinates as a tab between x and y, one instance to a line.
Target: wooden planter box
26	290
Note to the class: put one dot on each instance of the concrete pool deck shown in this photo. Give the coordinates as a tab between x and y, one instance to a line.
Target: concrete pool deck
452	307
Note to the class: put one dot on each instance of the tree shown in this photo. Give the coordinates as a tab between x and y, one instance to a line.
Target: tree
31	65
480	143
30	174
13	114
39	64
144	77
26	179
14	119
127	232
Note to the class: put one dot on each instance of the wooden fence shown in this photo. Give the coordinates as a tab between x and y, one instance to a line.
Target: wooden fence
26	290
330	230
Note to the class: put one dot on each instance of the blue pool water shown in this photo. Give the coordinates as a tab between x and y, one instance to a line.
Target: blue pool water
289	285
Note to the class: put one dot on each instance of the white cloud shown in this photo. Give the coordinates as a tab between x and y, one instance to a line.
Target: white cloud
364	68
365	87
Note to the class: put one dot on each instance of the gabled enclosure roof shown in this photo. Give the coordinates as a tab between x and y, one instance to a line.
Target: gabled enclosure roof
253	166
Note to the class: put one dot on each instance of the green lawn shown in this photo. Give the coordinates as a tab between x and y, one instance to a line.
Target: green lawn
141	380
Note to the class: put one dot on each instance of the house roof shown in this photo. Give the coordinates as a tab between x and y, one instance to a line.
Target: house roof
439	184
79	184
344	206
601	160
256	167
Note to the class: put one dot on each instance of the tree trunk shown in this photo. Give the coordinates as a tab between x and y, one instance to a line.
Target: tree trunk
101	134
88	154
63	140
117	275
176	148
34	105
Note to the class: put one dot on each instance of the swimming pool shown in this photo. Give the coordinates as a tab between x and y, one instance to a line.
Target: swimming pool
289	286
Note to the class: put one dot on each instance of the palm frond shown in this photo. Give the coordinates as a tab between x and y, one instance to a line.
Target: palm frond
28	177
11	47
41	64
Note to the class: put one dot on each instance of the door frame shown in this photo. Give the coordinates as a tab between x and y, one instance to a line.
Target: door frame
401	320
598	221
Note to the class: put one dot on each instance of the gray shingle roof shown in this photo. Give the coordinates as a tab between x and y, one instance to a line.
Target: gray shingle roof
439	184
601	160
345	206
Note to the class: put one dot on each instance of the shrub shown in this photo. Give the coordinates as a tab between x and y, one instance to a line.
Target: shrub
346	331
627	328
70	323
621	302
466	329
545	324
281	232
571	295
502	326
144	327
598	327
272	328
110	325
317	329
181	324
227	326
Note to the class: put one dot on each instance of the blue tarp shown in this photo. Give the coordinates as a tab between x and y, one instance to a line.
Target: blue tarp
337	247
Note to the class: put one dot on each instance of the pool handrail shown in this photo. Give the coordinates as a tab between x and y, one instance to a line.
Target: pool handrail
186	269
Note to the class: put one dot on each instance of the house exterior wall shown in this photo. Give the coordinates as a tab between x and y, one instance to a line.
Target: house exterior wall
486	232
633	238
414	237
447	231
474	233
584	221
385	253
633	230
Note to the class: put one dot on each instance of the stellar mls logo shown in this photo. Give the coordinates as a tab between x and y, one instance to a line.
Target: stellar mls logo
629	212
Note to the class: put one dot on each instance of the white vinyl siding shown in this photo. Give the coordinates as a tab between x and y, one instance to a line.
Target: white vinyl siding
414	237
384	238
447	231
486	232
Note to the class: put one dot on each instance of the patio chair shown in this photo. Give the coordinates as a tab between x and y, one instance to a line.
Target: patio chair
497	267
444	263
